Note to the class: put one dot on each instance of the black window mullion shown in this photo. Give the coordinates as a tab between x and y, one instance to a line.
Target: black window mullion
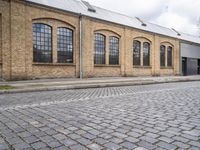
99	48
65	45
41	40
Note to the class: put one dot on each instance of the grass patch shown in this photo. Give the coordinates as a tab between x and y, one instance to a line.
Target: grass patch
6	87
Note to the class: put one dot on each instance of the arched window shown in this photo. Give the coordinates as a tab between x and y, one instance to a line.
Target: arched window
146	54
99	48
136	52
162	55
113	50
169	56
42	43
65	45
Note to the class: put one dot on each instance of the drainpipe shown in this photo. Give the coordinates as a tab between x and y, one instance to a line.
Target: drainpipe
80	46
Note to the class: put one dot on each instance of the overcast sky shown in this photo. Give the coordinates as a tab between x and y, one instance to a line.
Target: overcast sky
183	15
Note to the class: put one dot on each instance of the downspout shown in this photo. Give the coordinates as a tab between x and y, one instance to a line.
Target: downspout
80	47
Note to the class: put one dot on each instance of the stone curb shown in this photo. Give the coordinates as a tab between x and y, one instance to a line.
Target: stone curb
84	86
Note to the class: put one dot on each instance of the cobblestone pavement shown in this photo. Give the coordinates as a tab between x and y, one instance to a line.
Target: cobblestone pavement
163	116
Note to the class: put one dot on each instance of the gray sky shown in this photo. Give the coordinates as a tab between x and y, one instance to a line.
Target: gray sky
183	15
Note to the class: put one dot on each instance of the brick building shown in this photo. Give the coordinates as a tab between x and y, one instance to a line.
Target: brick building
69	38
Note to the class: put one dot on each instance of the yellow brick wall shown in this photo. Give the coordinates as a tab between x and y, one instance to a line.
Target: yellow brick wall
17	52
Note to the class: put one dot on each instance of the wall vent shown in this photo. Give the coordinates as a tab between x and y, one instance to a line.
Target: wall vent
142	23
90	7
176	32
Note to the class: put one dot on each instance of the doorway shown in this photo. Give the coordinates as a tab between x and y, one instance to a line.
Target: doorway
198	66
184	66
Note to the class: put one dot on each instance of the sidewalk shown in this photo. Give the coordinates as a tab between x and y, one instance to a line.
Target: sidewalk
75	83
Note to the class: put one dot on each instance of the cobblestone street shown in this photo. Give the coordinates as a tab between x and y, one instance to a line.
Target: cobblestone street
146	117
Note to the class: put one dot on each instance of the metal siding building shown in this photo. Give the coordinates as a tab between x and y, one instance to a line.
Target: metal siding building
190	57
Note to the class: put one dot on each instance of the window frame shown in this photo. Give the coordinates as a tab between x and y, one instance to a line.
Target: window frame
42	58
171	58
149	54
99	60
113	50
162	62
63	44
138	62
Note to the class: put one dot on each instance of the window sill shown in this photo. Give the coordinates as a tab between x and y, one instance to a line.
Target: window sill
142	67
103	65
53	64
166	67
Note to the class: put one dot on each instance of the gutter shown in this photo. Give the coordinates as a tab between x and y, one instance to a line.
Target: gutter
80	47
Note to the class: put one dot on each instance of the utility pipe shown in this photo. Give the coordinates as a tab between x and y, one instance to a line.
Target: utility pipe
80	47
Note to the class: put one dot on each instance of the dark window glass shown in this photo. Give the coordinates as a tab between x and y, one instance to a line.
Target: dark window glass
99	48
65	45
162	55
42	44
146	54
136	52
114	50
169	56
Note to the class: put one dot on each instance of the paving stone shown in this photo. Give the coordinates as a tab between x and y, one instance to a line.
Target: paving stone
100	141
31	139
119	135
180	139
148	139
140	148
194	148
146	145
3	146
94	146
194	143
134	134
181	145
116	140
166	139
128	145
78	147
111	145
167	145
68	142
132	139
61	148
59	136
83	141
38	145
53	144
21	146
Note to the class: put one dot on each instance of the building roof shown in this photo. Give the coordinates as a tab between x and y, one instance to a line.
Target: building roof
80	7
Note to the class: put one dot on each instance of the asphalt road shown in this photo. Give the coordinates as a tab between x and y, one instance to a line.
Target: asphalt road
162	116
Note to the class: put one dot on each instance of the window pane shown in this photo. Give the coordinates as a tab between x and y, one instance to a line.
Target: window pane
65	45
146	54
113	50
42	47
99	49
136	52
169	56
162	55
